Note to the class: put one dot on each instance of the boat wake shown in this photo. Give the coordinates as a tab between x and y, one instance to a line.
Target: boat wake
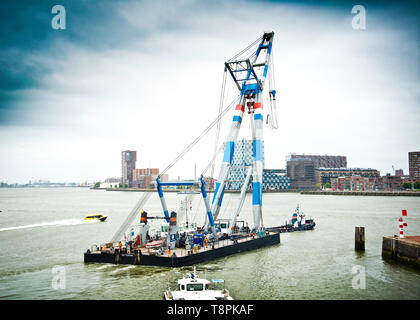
122	269
66	222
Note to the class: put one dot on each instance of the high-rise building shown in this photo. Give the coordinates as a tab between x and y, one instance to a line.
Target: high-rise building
414	164
128	164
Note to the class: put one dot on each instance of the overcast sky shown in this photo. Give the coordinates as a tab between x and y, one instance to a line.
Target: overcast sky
146	76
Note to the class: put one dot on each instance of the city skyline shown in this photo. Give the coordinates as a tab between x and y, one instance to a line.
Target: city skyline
147	77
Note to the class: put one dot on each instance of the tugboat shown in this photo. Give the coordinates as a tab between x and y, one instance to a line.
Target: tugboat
95	216
194	288
297	223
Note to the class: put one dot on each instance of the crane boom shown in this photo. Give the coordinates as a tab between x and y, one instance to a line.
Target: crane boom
249	75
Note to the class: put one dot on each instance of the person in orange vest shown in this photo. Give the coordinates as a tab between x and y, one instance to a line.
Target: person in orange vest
207	242
120	245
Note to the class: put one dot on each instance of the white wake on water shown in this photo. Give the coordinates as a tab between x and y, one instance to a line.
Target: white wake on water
122	269
65	222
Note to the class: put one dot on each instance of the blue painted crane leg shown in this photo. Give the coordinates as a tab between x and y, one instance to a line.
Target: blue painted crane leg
241	199
257	163
208	210
228	155
162	200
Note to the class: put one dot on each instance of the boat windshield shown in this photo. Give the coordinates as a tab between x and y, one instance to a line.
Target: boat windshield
195	287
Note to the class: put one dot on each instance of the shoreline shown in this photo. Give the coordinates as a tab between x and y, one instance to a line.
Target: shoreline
303	192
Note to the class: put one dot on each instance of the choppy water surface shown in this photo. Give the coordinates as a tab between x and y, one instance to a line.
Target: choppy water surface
42	231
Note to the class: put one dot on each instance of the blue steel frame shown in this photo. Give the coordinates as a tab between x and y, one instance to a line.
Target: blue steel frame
182	183
251	88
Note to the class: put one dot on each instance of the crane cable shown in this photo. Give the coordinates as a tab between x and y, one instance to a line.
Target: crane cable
246	49
222	97
212	161
196	140
272	117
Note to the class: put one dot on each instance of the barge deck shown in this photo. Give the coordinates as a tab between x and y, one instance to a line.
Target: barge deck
181	257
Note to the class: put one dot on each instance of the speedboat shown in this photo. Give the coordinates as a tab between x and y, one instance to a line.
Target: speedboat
95	216
194	288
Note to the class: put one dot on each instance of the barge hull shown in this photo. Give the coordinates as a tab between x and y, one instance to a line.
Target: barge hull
188	260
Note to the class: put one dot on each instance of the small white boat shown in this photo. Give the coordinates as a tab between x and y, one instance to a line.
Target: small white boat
194	288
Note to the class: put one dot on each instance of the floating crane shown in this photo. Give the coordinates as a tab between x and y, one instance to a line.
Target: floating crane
249	70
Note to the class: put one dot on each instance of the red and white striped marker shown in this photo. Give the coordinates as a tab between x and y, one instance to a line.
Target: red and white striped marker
402	223
401	227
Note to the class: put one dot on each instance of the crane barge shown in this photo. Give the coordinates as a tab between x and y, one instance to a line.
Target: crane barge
182	248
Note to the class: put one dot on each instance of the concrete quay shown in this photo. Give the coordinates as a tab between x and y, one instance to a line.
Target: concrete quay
405	250
365	193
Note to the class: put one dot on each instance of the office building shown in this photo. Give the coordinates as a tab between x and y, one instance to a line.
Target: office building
301	172
275	179
322	161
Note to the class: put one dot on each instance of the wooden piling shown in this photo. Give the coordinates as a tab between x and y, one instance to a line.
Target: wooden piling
359	239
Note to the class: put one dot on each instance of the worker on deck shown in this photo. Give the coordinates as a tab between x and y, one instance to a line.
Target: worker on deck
207	242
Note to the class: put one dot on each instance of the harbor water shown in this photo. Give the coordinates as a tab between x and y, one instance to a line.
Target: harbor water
43	237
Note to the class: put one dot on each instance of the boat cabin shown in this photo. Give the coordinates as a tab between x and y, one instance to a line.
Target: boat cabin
224	226
194	288
193	284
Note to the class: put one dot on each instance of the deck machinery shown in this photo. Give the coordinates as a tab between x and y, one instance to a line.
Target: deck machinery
249	75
